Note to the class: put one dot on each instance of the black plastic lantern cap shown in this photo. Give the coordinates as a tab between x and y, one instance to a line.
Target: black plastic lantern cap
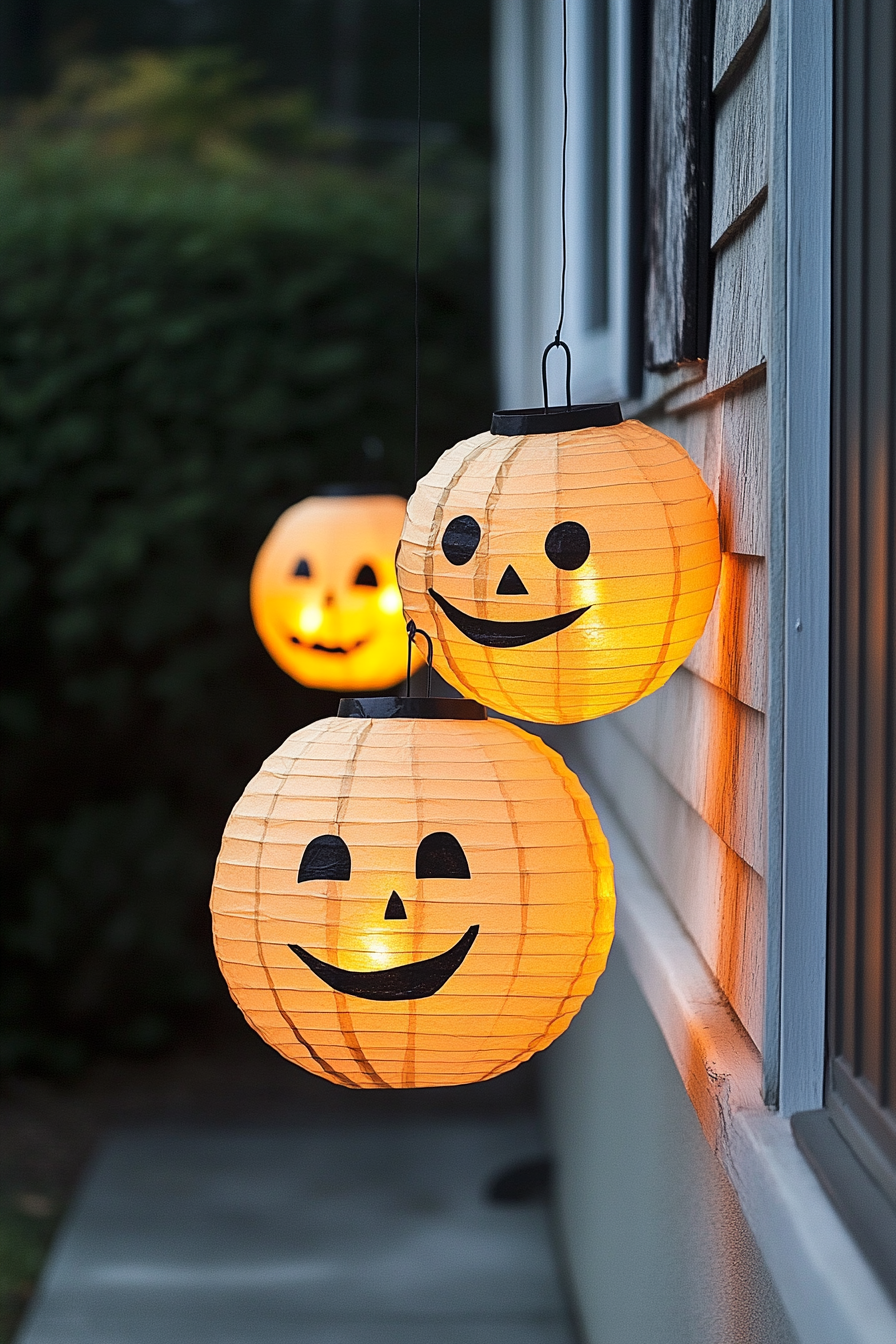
552	419
408	707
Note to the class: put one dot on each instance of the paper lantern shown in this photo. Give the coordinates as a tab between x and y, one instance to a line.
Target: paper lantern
416	900
324	596
566	571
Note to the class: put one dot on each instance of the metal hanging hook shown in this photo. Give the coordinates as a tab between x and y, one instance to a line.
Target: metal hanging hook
413	631
556	344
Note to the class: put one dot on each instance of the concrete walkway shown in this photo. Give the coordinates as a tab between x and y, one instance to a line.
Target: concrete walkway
381	1234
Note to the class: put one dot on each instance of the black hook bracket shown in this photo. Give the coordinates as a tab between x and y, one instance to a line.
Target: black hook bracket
556	344
413	631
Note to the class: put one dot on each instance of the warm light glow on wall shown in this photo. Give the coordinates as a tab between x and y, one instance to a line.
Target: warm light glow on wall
564	575
412	901
325	599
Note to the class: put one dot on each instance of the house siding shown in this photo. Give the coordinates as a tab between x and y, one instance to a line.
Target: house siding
713	794
686	769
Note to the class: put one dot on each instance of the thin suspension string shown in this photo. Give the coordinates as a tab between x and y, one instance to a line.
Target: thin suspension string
563	175
557	343
417	244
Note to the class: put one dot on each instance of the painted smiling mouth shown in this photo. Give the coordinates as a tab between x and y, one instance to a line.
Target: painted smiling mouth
327	648
414	980
505	634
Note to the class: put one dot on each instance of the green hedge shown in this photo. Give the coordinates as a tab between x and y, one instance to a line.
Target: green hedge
182	354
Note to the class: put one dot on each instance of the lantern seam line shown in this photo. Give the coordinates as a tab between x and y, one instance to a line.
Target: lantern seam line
324	1064
555	681
543	1038
407	1072
492	499
343	1011
596	870
437	515
525	888
662	653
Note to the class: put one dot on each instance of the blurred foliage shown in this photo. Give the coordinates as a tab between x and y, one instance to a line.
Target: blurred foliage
205	309
356	57
27	1223
202	105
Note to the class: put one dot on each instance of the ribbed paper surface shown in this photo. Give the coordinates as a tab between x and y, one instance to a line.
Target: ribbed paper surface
540	890
648	583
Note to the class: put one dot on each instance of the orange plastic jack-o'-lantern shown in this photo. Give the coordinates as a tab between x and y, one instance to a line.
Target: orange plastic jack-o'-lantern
565	572
411	901
324	596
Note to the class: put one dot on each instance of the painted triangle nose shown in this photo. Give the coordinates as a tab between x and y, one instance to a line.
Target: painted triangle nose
395	908
511	584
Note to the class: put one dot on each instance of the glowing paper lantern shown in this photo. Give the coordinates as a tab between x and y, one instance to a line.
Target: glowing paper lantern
324	596
412	900
565	572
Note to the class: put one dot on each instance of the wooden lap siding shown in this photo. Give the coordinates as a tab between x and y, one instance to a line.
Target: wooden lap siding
686	767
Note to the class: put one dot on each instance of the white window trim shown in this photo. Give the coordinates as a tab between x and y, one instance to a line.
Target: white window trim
600	358
527	207
800	195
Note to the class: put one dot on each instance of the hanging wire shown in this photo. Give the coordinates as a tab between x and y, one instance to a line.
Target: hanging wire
417	243
413	631
557	343
412	628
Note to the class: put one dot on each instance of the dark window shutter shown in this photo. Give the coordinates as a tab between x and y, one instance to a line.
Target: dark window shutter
679	183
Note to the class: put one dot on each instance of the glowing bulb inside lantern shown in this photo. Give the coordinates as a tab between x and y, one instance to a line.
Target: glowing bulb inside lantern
325	599
379	953
310	620
390	600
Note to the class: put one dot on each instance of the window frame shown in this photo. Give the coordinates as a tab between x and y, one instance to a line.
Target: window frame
850	1141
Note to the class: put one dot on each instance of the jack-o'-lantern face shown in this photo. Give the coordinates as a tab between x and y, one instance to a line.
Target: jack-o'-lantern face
410	903
440	857
324	595
566	575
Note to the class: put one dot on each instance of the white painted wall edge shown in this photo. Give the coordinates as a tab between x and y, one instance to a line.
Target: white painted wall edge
827	1287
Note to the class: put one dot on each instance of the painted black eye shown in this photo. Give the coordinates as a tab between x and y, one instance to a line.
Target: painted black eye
567	545
365	577
440	855
461	539
302	570
326	859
